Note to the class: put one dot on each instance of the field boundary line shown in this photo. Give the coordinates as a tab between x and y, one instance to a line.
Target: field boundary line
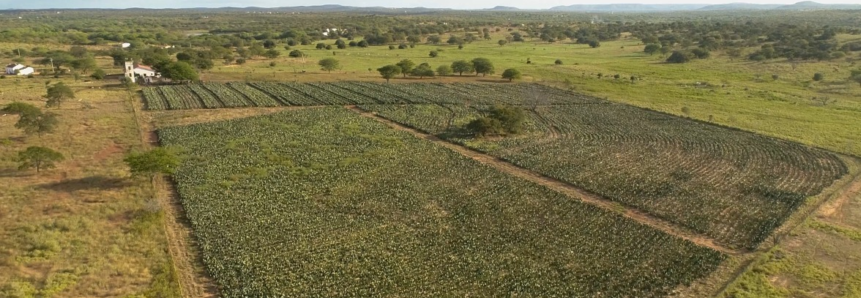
557	185
185	259
851	186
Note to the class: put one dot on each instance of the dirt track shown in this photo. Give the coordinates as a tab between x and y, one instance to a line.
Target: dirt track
559	186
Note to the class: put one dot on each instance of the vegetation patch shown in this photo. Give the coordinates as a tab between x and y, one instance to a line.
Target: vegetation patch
348	206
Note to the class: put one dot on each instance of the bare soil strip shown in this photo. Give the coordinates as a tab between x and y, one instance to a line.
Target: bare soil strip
560	186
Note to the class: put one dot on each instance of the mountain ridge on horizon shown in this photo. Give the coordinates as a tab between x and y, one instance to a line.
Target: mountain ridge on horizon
612	7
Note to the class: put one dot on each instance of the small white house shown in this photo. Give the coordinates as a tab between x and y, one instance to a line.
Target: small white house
125	45
26	71
11	68
133	71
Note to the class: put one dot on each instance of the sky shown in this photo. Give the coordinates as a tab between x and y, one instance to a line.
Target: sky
456	4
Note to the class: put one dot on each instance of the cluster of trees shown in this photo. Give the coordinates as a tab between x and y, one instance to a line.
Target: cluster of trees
499	120
481	66
33	120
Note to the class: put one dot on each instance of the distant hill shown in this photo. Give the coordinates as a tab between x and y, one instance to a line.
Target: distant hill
504	8
741	6
630	7
810	5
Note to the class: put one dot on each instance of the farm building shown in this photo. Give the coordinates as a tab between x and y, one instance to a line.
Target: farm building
133	71
26	71
11	68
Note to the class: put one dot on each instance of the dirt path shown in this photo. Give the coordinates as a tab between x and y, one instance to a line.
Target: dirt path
830	208
559	186
193	280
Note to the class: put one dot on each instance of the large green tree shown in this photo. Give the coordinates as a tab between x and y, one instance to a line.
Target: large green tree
406	66
421	71
511	74
389	71
482	66
39	158
462	66
329	64
37	123
58	93
180	71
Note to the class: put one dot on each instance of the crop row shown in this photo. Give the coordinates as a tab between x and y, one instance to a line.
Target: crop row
238	94
324	202
734	186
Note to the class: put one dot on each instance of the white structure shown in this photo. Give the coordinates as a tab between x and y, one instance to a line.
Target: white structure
26	71
125	45
133	71
11	68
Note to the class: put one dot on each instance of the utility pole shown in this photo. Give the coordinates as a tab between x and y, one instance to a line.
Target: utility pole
52	65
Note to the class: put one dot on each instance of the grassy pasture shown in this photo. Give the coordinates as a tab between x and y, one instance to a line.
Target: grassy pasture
737	93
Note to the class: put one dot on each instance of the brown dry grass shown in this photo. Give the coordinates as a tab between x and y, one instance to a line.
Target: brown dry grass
83	229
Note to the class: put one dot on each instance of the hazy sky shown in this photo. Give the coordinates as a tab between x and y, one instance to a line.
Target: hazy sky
473	4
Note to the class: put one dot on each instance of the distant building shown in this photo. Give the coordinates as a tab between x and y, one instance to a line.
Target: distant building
11	68
134	71
26	71
125	45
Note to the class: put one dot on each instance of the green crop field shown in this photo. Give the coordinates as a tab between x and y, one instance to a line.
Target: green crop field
323	202
254	94
733	186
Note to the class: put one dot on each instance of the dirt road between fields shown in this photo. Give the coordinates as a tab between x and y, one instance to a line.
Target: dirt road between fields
559	186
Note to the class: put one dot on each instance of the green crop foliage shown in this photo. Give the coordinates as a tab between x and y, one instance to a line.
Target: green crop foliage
324	202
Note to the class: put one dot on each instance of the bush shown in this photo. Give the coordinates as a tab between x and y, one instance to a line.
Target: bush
295	54
679	57
558	62
818	77
391	47
700	53
500	120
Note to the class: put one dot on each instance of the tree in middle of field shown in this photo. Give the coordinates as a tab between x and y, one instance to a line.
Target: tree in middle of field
39	158
58	93
500	120
329	64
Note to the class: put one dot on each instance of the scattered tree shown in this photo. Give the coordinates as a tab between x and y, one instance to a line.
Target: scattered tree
272	53
58	93
482	66
156	161
511	74
39	158
594	43
502	42
296	54
406	66
818	77
652	48
462	66
389	71
329	64
423	70
558	62
443	70
98	74
37	122
433	54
